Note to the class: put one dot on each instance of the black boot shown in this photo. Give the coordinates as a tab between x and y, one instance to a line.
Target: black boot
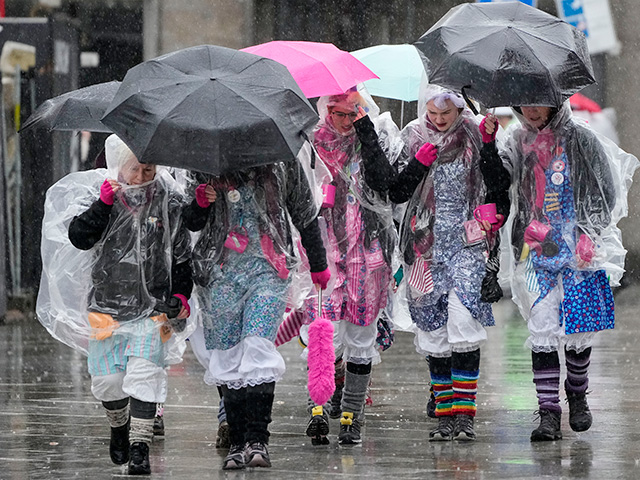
349	429
260	398
576	386
119	444
318	426
139	462
580	418
235	459
235	404
141	435
444	431
463	427
118	414
549	428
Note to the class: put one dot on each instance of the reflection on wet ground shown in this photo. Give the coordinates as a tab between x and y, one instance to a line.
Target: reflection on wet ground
51	427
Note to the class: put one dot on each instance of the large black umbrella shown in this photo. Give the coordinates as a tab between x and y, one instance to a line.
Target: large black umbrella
76	110
506	54
211	109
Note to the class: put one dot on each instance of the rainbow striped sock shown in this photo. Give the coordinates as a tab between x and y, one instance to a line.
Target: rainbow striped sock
465	389
442	389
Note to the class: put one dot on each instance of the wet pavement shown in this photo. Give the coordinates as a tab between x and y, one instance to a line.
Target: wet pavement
51	427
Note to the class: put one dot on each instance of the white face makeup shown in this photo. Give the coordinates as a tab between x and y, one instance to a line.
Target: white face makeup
442	118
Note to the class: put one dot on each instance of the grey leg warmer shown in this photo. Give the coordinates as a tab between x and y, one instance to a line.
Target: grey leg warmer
354	392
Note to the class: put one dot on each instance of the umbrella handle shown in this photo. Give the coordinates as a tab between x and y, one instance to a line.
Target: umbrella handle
313	151
468	100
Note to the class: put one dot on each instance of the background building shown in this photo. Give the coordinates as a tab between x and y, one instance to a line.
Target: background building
114	35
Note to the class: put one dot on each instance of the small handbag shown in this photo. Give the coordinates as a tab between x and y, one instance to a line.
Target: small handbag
329	195
473	232
237	240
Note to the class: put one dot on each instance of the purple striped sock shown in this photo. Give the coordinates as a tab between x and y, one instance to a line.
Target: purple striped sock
547	383
577	371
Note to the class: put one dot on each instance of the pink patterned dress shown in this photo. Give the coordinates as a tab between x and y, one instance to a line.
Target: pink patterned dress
358	228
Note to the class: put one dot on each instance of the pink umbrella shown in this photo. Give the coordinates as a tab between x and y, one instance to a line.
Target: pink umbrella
318	68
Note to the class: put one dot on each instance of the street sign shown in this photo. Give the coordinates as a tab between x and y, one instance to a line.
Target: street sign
572	12
593	18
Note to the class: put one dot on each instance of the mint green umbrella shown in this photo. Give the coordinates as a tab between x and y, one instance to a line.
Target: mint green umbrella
399	68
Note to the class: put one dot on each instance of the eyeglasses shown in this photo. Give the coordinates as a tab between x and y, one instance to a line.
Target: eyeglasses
342	115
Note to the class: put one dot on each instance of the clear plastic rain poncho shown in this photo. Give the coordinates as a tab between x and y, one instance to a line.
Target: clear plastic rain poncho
435	248
263	205
245	256
316	174
123	282
568	182
340	152
461	142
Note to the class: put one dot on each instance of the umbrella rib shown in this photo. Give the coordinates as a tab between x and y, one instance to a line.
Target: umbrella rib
155	129
188	77
544	40
517	31
226	85
168	85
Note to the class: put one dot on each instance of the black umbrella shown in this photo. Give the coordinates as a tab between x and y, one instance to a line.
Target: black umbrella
76	110
211	109
506	54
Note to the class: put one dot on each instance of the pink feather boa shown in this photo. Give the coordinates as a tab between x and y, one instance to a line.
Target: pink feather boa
321	361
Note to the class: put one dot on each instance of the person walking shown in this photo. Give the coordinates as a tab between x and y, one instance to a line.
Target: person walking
243	259
444	248
140	285
569	189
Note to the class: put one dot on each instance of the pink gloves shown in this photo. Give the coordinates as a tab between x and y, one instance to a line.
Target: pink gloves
427	154
201	196
184	301
106	193
321	278
585	249
488	137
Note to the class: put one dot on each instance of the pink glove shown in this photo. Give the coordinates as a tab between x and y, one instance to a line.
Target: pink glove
486	137
496	226
585	248
427	154
106	193
321	278
184	301
201	196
